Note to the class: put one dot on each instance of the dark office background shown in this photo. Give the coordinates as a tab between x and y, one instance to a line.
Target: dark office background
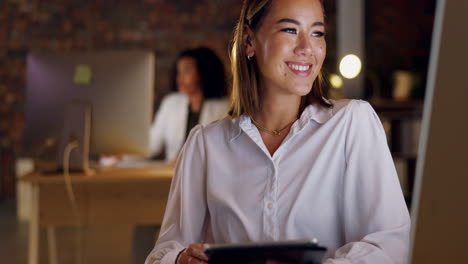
398	35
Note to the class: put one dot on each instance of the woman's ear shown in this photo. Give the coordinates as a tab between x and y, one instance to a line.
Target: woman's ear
248	42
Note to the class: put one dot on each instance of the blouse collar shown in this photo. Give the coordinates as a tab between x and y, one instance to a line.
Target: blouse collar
313	112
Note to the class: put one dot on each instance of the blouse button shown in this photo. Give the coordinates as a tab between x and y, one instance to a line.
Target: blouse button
270	205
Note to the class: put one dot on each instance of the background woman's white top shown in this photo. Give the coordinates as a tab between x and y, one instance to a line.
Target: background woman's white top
170	123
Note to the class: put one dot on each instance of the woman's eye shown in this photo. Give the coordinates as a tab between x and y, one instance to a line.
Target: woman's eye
289	30
318	34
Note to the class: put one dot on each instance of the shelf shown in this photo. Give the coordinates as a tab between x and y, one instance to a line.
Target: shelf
398	110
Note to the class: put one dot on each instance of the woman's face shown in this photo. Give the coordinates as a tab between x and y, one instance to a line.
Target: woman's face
289	46
188	80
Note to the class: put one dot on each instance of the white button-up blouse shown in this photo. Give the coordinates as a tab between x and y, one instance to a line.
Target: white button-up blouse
332	178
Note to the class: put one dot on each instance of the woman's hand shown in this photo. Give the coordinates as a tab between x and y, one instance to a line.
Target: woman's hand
193	254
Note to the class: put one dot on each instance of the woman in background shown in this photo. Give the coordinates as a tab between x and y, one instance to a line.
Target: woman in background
289	164
201	83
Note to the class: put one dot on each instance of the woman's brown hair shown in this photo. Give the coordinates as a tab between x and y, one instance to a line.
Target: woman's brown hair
245	94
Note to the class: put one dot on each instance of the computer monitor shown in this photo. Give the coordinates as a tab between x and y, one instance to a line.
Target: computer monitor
117	86
440	200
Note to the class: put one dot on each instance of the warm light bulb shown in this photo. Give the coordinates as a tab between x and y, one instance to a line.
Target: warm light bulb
350	66
336	81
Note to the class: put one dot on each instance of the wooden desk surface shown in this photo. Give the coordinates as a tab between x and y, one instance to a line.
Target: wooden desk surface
134	196
106	175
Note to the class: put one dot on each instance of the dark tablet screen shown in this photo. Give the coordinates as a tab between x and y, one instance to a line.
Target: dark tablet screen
297	252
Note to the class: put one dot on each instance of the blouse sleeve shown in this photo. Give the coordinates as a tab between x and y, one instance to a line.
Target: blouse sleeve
186	209
375	217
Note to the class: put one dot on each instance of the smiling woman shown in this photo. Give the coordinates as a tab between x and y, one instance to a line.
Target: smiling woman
289	52
275	38
287	48
288	164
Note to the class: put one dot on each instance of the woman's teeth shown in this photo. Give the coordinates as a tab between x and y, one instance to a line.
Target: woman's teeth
299	67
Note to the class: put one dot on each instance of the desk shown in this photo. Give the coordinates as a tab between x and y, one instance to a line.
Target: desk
134	196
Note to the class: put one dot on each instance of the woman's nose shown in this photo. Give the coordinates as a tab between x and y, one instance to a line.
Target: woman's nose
303	45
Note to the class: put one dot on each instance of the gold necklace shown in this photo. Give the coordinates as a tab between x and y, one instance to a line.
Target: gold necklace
275	132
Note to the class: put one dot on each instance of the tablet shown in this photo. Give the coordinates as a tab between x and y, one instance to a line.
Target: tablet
290	251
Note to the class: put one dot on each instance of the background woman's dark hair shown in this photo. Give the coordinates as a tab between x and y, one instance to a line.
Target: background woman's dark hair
210	70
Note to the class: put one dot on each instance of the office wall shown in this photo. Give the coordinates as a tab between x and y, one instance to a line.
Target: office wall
398	37
160	25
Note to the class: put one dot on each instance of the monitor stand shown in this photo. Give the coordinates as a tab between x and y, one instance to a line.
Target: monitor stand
76	131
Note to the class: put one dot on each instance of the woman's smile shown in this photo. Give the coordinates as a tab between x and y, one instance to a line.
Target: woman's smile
300	68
